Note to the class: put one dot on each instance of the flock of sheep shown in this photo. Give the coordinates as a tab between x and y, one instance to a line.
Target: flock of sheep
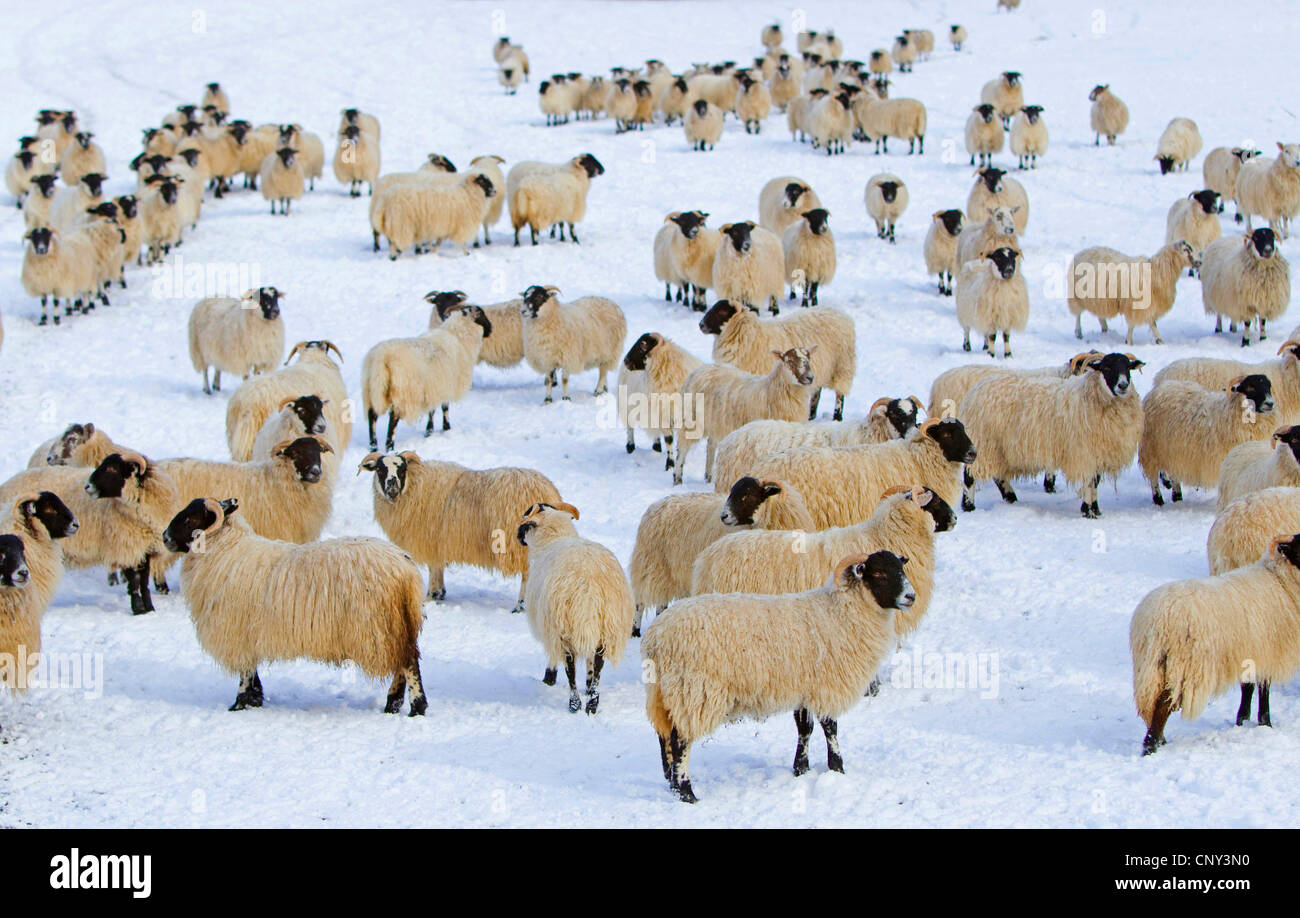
786	587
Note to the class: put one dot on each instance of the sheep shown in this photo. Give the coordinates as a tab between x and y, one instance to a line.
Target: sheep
282	178
303	416
162	216
1220	169
727	398
958	35
99	225
544	194
122	506
903	53
82	157
664	269
809	247
782	202
1007	96
786	82
1188	430
215	96
254	599
1028	139
703	125
593	99
19	172
1179	142
923	39
798	111
428	212
504	348
940	247
993	188
1270	188
1258	464
979	237
949	387
886	199
356	160
718	89
1194	639
488	165
1195	219
992	298
1245	278
674	530
260	397
880	64
57	266
311	151
58	128
71	203
771	36
1109	114
879	119
830	123
691	251
223	151
1087	426
79	444
411	377
746	342
1108	283
571	338
252	146
749	266
674	101
128	208
743	448
1283	372
578	600
160	140
649	390
510	74
443	513
39	201
1246	525
753	104
31	567
364	120
620	105
1008	5
983	134
717	657
243	336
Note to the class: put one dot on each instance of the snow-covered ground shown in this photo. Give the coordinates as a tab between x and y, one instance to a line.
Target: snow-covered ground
1037	597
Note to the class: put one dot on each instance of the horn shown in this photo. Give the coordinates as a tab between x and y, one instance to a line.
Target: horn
330	346
884	400
275	450
369	457
409	456
288	401
927	424
129	455
296	348
1277	434
1289	342
845	566
916	402
567	508
891	491
1232	384
552	289
324	447
214	507
1278	540
917	492
22	499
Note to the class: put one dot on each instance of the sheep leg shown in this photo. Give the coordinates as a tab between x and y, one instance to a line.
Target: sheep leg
990	344
1104	326
1049	483
1243	710
564	387
815	286
681	755
44	318
834	761
392	429
631	441
396	693
1263	719
207	388
549	379
1260	320
668	451
216	379
636	620
965	340
548	677
1006	343
710	450
668	292
602	383
561	226
137	585
532	232
1078	326
523	585
437	592
967	490
664	763
1089	507
446	422
593	680
1155	333
1004	488
804	724
813	403
371	417
250	691
1156	497
516	237
839	407
415	686
657	445
1155	737
1176	491
573	234
571	672
773	307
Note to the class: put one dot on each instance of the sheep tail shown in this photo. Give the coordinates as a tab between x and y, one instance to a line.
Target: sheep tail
656	712
1150	679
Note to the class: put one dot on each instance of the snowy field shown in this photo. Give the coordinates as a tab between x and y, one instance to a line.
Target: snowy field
1036	596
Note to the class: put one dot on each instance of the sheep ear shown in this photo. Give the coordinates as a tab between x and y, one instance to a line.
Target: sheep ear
229	506
778	354
1015	209
279	448
922	495
370	463
849	570
90	429
324	447
1280	147
288	401
410	457
892	490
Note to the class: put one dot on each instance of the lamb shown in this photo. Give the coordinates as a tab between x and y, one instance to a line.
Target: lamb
753	104
571	337
1195	219
842	484
356	160
1245	279
1258	464
830	123
1007	96
1220	169
82	157
993	188
31	567
239	336
879	119
70	204
1283	372
1177	145
411	377
504	348
718	657
421	212
749	266
958	35
649	386
1109	114
578	600
282	177
260	397
782	202
809	255
728	398
1028	138
940	247
1108	283
745	341
1187	430
443	513
254	599
983	134
543	194
1087	426
121	505
886	199
80	444
303	416
1270	188
979	237
703	125
993	298
691	251
674	101
1194	639
57	266
743	448
674	530
1244	527
162	215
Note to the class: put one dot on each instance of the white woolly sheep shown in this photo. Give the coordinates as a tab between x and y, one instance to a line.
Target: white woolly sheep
786	82
239	336
983	134
1245	279
1220	169
162	215
1178	144
782	202
1259	464
904	53
886	199
691	251
364	120
39	201
356	160
281	175
303	416
1108	116
717	657
1244	528
1194	218
992	298
79	444
70	204
577	599
504	348
993	188
571	338
940	247
879	119
703	125
979	237
749	266
1108	283
830	123
958	35
57	266
1270	188
1283	372
261	396
650	391
489	165
753	104
430	211
1006	94
545	195
310	150
1029	138
664	269
81	157
950	386
254	600
809	248
19	173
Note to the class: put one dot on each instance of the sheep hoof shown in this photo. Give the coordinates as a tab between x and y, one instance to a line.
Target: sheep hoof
967	504
565	398
873	689
438	595
631	448
1157	498
547	400
160	586
800	765
834	763
1266	721
519	607
113	579
636	631
685	794
246	700
575	704
548	677
1089	511
421	704
592	704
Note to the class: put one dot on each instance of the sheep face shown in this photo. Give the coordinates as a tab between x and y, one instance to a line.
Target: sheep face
1244	155
951	220
992	179
94	183
286	155
350	114
690	222
310	410
353	132
537	515
1115	370
1289	154
40	240
305	454
111	477
26	157
1256	389
69	122
888	191
1032	112
442	162
200	516
882	573
267	300
168	188
534	298
818	216
480	318
51	512
716	319
985	112
636	355
1263	242
798	361
485	183
445	302
128	205
45	184
701	107
1291	437
1096	92
1011	78
591	164
1004	262
950	434
13	562
739	234
746	496
83	139
61	450
325	346
239	131
938	508
901	414
1209	200
1004	220
1166	164
390	472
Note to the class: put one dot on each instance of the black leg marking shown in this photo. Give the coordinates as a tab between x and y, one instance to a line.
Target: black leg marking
1155	737
593	680
571	671
834	761
250	691
804	724
1243	710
